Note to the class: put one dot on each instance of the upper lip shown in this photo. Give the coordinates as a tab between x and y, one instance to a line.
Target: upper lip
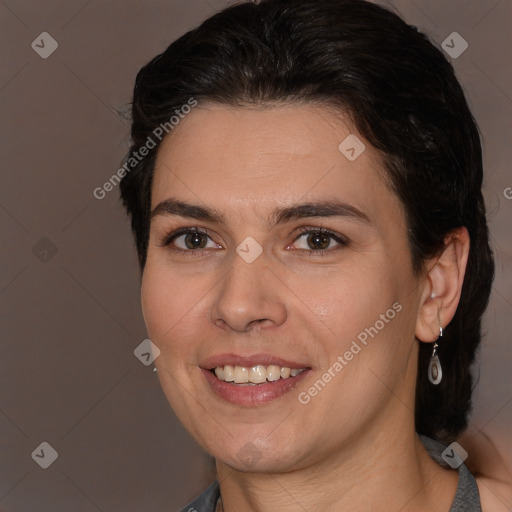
249	361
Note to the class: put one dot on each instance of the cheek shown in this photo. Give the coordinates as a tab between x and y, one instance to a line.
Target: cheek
365	317
174	307
164	302
351	299
156	304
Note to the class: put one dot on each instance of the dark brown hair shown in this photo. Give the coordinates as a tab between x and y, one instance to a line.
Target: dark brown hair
403	97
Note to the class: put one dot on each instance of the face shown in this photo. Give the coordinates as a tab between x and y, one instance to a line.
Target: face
277	257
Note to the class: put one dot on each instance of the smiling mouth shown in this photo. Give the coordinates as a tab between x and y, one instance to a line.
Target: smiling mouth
254	375
256	385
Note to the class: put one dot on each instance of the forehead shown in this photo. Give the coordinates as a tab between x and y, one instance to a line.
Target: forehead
242	157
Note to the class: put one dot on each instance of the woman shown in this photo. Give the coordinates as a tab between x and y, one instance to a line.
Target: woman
305	192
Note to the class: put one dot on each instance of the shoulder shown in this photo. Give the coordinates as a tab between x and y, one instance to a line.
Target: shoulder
493	476
495	495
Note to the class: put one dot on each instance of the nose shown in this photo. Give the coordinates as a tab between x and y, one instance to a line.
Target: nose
249	297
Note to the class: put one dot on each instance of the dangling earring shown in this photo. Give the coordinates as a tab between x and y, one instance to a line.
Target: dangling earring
435	372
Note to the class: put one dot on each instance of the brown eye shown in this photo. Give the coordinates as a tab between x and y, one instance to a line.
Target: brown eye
318	241
189	240
195	240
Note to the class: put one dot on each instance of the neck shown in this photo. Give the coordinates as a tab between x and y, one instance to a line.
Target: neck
392	469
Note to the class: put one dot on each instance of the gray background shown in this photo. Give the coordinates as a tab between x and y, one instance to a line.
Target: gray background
69	283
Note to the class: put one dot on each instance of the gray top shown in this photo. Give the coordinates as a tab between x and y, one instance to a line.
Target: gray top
467	498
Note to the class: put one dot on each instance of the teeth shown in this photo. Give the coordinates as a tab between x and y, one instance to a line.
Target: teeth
241	374
273	372
219	372
256	374
229	375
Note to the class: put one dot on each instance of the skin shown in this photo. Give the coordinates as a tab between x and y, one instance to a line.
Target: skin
298	306
488	463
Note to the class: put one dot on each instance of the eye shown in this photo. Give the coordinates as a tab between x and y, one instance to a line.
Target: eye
319	240
189	239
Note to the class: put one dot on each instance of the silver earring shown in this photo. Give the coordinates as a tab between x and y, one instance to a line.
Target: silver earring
435	372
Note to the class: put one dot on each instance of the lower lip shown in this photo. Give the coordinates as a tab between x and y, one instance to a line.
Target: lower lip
252	395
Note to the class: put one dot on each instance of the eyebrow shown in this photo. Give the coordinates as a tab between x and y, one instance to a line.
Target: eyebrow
280	215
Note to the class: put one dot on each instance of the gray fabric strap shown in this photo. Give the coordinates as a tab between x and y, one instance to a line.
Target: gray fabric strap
467	497
207	502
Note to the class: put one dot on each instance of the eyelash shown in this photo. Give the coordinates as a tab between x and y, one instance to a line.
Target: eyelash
342	241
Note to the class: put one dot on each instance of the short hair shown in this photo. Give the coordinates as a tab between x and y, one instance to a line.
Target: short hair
402	96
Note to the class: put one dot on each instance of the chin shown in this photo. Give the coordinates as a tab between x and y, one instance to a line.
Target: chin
253	455
250	460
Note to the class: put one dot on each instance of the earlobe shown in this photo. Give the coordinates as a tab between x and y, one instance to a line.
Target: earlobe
443	286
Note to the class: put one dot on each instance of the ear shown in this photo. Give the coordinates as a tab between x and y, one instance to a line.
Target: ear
443	286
